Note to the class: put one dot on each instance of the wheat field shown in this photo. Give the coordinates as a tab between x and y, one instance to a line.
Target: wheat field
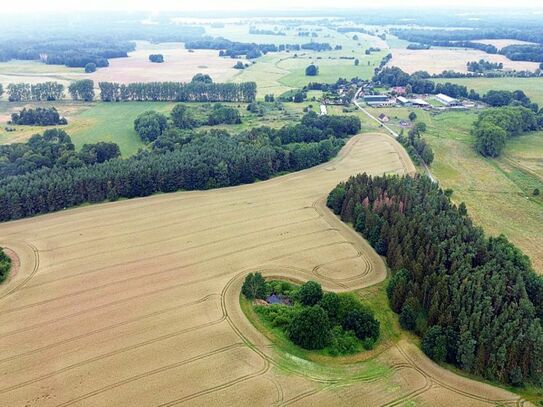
136	303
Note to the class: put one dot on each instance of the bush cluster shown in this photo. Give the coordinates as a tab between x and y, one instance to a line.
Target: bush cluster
338	323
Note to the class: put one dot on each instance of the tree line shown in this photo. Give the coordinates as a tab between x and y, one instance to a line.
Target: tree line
195	91
176	160
236	49
416	146
26	92
494	126
40	116
475	301
483	65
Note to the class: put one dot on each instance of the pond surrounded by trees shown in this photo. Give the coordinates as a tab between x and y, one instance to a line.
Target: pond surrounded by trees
330	323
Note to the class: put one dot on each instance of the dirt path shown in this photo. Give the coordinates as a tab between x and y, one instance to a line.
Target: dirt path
137	302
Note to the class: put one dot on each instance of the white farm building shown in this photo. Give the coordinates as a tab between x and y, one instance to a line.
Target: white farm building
447	100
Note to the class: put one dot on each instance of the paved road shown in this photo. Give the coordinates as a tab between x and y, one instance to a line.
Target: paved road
392	132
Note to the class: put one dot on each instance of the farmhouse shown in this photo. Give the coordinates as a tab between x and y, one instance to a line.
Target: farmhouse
383	118
398	90
447	100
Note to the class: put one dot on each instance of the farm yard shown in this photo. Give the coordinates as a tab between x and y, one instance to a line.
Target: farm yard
81	340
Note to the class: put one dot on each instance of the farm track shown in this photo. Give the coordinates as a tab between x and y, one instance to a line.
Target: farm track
137	302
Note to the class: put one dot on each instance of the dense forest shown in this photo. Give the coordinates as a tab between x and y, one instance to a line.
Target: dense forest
40	116
475	301
194	91
52	149
528	52
177	159
64	51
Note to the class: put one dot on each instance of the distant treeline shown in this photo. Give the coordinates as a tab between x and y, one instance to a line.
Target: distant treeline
40	116
482	66
526	52
466	38
77	45
194	91
257	31
353	30
69	52
529	34
475	301
418	46
177	160
156	58
250	50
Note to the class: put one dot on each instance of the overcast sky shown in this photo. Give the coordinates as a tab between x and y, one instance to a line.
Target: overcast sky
192	5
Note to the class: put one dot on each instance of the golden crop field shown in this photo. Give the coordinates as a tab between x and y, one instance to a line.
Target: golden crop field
136	303
437	60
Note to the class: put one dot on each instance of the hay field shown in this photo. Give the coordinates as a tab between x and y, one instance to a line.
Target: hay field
179	65
436	60
137	302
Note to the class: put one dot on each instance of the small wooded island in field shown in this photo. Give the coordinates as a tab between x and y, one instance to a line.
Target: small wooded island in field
334	324
5	265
